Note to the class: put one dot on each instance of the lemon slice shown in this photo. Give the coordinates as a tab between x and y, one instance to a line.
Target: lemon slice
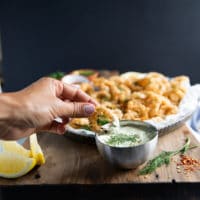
13	146
36	151
13	165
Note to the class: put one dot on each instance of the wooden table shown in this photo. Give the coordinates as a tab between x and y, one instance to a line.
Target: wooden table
77	168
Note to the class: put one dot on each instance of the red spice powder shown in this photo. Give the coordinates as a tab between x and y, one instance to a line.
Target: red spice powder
188	163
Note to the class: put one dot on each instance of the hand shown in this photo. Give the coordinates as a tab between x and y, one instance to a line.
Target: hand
35	108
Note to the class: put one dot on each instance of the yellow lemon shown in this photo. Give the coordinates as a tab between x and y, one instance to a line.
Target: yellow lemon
13	146
36	151
14	165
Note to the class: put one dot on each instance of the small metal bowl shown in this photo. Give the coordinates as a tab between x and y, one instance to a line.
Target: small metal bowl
129	157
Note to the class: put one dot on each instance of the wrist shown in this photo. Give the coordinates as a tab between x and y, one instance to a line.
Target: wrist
8	106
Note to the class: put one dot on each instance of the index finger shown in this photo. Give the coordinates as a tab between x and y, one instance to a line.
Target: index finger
73	93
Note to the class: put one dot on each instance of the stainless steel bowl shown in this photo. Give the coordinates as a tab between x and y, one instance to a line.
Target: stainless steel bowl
130	157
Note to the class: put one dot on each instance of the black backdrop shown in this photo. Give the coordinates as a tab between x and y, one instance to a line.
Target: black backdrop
153	35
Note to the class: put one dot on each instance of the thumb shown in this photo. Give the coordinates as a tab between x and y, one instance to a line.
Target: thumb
77	109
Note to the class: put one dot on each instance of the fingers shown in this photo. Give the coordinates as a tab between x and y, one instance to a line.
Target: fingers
68	110
77	109
54	127
93	101
75	94
71	109
59	127
74	103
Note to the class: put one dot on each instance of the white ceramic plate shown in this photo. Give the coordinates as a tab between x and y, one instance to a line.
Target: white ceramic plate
186	109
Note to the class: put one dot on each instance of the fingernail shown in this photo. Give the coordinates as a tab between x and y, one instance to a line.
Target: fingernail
75	86
88	109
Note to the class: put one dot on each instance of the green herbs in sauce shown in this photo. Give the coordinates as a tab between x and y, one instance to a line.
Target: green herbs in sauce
120	138
125	136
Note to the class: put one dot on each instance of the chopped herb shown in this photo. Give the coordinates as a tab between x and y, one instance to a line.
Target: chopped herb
86	72
57	75
120	138
163	158
86	127
102	120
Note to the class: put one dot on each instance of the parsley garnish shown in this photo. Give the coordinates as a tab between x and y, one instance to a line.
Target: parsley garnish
120	138
86	72
102	120
164	158
57	75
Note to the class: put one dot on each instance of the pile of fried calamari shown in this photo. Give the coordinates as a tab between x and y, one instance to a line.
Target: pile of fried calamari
133	96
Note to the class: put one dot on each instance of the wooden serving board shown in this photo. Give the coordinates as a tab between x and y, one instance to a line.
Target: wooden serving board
73	162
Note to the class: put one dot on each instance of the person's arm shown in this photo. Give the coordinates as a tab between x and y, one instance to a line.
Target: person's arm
36	107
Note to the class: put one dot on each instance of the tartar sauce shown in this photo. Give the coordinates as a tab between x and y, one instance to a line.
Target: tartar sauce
124	136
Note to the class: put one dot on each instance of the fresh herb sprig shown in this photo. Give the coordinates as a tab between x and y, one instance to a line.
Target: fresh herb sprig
86	127
86	72
57	75
102	120
164	158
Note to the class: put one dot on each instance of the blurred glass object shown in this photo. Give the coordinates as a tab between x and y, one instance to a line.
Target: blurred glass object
195	121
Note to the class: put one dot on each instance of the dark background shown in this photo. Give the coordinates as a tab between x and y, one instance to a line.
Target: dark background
40	37
153	35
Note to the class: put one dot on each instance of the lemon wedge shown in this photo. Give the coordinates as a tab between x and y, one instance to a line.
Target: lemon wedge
16	161
13	146
14	165
36	151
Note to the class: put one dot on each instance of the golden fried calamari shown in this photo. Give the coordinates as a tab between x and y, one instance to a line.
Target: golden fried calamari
134	96
101	116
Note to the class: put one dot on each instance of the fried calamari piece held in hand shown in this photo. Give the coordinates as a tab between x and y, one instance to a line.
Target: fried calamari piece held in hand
100	117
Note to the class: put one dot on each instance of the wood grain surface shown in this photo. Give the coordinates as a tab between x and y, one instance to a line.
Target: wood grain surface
70	161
